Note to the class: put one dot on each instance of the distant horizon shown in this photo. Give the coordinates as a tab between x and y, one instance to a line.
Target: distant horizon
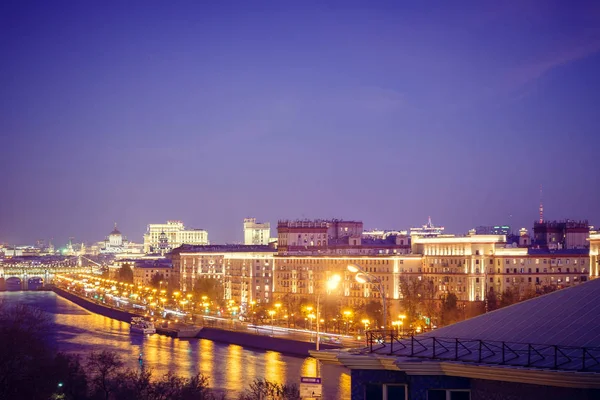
207	112
514	230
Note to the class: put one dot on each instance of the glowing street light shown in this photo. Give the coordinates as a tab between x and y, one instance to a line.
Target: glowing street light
271	313
366	322
363	276
332	283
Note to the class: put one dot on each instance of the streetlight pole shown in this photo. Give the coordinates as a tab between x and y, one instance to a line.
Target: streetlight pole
332	283
318	317
373	280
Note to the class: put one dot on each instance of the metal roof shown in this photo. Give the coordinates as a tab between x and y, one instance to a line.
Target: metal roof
559	331
567	317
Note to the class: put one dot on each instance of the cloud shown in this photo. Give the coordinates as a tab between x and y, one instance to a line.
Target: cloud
528	72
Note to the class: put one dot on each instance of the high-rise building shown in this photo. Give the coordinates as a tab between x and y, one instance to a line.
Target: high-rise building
256	233
161	238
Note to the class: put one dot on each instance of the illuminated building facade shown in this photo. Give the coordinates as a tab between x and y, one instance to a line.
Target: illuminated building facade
594	240
472	266
245	271
144	271
160	238
306	276
469	266
256	233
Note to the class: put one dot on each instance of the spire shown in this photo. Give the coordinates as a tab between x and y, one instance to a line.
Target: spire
541	206
429	224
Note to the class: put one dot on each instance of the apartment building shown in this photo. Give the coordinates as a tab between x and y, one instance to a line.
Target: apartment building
469	266
305	276
474	265
144	271
245	271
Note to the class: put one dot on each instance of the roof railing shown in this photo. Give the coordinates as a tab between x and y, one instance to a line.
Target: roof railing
526	355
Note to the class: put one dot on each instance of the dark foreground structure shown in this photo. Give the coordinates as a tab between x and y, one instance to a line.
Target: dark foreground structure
545	348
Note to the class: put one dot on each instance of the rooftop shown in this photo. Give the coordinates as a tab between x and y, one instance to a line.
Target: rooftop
558	252
230	248
568	317
559	331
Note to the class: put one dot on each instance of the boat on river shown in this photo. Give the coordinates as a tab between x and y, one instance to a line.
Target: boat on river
140	325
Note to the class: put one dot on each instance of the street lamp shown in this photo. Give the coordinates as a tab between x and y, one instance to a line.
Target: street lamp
332	283
277	307
347	315
366	322
363	276
402	318
271	313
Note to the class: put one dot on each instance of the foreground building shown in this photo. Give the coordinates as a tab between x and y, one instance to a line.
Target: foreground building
545	348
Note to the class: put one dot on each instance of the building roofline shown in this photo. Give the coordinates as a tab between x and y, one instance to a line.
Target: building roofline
412	366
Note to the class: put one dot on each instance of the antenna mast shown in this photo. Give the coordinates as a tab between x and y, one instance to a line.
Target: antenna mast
541	206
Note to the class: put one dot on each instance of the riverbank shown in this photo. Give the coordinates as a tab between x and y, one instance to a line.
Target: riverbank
244	339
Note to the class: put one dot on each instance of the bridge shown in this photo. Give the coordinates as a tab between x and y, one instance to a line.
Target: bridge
33	272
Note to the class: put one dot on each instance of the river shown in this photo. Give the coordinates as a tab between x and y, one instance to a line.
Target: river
230	368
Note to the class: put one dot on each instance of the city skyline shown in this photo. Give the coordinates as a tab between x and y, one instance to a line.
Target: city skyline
240	240
210	114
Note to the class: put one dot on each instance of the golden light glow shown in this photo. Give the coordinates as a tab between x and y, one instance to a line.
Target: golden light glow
353	268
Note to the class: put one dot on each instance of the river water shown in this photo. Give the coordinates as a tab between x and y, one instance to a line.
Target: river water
230	368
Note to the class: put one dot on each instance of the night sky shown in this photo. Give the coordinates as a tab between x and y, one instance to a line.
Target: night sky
143	111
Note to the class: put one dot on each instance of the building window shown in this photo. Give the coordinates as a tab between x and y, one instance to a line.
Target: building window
448	394
393	392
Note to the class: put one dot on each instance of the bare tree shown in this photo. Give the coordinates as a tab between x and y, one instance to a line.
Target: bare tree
103	368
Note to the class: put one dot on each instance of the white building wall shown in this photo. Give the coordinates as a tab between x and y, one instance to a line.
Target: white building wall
257	233
176	235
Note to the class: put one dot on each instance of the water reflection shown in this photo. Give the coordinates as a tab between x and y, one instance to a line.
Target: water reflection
229	367
234	367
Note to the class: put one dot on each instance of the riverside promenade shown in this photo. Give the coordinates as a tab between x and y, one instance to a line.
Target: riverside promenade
219	330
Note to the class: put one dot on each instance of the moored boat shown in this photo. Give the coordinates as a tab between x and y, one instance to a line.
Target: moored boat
140	325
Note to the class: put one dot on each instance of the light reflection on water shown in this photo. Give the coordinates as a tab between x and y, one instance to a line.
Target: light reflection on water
229	367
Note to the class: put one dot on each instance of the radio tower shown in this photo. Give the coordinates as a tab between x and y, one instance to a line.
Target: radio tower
541	207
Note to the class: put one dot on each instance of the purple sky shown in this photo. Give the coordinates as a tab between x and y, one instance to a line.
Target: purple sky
139	112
